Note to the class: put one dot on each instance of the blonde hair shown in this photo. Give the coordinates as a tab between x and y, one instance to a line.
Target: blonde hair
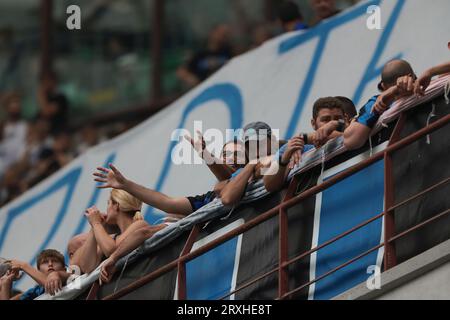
127	203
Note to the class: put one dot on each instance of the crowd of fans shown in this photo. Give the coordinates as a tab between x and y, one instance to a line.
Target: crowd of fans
220	48
122	228
31	150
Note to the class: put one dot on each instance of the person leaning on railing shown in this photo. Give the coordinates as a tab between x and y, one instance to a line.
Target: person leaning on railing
329	121
49	262
397	80
124	211
258	155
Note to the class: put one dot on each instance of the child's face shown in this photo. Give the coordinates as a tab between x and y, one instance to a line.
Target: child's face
50	264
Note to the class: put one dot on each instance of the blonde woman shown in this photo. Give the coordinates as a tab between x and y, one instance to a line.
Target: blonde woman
124	212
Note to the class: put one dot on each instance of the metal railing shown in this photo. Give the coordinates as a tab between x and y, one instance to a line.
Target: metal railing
289	201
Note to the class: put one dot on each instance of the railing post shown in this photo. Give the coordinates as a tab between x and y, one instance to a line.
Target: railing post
283	274
92	295
182	265
390	256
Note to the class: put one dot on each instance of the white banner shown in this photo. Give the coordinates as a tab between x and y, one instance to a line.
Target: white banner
276	83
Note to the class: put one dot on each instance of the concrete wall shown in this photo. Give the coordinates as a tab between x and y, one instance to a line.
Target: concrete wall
424	277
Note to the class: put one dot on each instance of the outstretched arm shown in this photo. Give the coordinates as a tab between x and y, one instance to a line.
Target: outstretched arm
220	170
34	273
112	178
356	134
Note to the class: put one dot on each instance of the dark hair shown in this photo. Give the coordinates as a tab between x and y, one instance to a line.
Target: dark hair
349	106
327	103
288	12
50	253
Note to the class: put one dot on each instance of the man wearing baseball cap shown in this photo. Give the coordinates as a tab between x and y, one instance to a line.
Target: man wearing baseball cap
259	145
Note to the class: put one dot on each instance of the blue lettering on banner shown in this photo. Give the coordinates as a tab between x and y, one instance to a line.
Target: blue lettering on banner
231	96
322	32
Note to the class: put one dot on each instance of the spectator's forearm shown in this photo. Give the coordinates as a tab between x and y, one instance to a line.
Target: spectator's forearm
389	96
64	276
37	276
103	239
157	199
233	191
440	69
275	182
356	135
134	240
220	170
5	290
151	197
86	257
335	134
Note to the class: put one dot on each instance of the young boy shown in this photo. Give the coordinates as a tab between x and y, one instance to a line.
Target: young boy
48	262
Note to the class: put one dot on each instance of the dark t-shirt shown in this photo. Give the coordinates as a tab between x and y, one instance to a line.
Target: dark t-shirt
201	200
206	62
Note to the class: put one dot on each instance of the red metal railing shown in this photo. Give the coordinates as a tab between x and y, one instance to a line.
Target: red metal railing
289	201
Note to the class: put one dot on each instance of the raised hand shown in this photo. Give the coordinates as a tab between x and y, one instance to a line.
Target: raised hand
111	178
199	145
94	216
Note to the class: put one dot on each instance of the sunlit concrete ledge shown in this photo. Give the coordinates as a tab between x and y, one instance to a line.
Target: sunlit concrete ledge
424	277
